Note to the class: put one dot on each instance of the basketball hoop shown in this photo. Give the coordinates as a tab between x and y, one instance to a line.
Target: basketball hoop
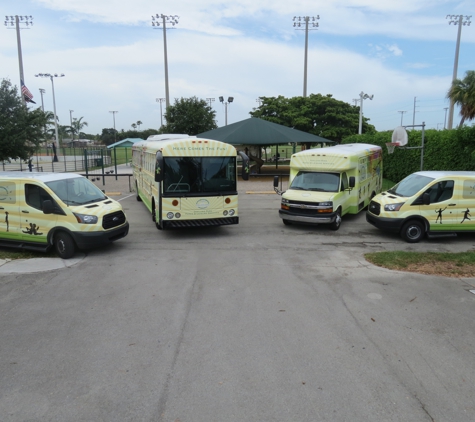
391	146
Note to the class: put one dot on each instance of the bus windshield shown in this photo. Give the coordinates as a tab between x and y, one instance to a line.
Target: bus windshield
198	175
323	182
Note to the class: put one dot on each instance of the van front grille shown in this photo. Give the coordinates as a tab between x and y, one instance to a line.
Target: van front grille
113	220
374	208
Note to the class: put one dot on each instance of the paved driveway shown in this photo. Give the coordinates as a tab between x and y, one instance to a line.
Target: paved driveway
253	322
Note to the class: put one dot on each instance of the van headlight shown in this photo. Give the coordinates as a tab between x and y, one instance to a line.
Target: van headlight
393	207
85	219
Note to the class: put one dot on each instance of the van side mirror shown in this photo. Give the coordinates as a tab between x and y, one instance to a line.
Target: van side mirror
48	207
426	198
352	182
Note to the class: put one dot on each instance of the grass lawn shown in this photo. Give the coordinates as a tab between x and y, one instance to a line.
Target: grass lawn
461	264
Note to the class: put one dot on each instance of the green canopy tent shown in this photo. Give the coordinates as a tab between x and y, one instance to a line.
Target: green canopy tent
259	132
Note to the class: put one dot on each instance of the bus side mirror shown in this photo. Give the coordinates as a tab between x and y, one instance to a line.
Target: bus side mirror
352	182
276	186
159	167
245	166
47	207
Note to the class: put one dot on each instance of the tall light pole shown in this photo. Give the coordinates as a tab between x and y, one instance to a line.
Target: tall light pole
173	20
16	21
56	142
113	116
71	123
210	100
160	100
299	21
42	91
402	114
445	118
230	100
456	20
363	96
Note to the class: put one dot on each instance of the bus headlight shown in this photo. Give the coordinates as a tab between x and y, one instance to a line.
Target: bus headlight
225	213
85	219
170	215
231	212
177	215
393	207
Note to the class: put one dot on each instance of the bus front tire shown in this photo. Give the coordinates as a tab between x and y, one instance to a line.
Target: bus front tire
337	223
64	245
137	190
413	231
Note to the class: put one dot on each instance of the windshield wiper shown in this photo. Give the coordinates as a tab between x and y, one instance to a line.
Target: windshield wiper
297	188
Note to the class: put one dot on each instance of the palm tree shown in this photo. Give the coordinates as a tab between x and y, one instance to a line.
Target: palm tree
139	123
134	126
63	132
77	126
462	93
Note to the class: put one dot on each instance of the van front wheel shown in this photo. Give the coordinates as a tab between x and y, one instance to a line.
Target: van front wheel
413	231
64	245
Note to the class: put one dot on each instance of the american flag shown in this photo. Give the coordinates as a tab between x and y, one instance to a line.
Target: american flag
27	95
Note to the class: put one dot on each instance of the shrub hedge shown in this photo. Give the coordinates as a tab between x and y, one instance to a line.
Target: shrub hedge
443	150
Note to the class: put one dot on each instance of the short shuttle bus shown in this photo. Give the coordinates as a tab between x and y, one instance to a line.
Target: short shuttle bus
432	203
327	183
188	182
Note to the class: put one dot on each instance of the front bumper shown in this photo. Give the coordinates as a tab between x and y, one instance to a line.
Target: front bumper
90	240
383	223
311	219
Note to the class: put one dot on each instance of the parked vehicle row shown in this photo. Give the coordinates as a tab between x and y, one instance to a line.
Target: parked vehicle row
192	183
327	183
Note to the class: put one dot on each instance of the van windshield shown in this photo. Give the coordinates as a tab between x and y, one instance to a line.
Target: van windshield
77	191
410	185
310	180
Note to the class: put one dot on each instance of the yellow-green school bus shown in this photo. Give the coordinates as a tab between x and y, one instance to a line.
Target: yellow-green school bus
188	182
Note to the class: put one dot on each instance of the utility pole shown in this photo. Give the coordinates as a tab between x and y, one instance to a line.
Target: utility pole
456	20
402	113
298	23
414	114
210	100
445	118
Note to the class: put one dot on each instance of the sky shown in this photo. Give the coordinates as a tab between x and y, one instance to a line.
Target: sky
400	52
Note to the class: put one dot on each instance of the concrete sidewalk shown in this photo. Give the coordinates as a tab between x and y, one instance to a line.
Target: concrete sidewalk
36	265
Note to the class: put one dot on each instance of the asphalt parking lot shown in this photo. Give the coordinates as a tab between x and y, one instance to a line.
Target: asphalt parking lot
253	322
